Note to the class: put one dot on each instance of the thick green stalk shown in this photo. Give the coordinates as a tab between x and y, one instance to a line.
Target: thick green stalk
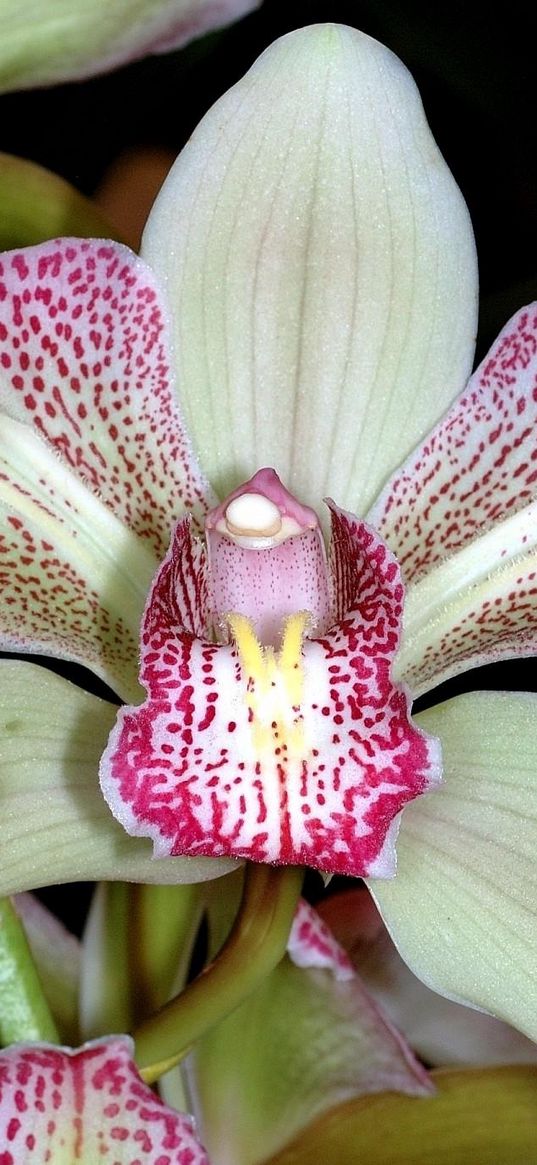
255	946
24	1011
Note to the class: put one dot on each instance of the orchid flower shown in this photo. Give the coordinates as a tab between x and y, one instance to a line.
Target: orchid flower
65	41
309	271
83	1104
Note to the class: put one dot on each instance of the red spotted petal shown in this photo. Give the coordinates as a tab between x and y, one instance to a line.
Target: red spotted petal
222	760
478	466
88	1105
94	463
84	360
312	944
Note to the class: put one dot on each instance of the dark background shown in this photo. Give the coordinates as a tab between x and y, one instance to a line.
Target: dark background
475	70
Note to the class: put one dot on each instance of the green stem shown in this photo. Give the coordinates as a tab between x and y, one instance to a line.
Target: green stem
255	946
24	1011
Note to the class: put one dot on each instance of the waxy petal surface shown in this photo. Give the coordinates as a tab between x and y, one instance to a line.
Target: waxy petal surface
477	466
462	909
322	271
55	826
477	607
258	1079
84	358
69	39
94	464
87	1105
304	760
441	1032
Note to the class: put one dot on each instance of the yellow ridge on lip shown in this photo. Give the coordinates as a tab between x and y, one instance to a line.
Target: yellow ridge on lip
274	684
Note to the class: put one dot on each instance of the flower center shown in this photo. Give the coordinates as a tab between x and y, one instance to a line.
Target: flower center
274	687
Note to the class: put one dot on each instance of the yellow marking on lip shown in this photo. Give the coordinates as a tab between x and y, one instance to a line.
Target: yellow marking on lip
274	686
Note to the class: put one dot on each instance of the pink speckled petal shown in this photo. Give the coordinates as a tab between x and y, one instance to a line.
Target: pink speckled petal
461	515
312	944
218	761
62	42
87	1105
84	359
478	606
477	466
93	460
73	578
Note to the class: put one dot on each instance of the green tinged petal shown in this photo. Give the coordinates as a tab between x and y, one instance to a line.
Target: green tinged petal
485	1116
462	908
36	205
60	40
321	266
56	954
55	824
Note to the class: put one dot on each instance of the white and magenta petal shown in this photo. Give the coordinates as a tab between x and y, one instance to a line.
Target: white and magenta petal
477	467
73	578
84	360
87	1105
477	607
306	756
322	271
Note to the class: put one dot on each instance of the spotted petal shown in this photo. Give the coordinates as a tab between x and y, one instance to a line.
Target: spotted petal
94	463
322	270
461	515
61	41
304	757
87	1105
462	909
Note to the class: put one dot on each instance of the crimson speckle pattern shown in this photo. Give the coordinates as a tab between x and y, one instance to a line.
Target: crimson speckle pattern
84	364
477	466
312	944
89	1105
185	768
84	359
47	604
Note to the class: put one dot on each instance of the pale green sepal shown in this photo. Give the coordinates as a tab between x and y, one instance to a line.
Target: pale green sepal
462	908
304	1042
36	205
476	606
56	954
24	1011
47	41
321	266
55	825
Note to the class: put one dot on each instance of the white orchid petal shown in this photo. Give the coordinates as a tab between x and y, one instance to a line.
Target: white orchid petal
320	263
462	908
